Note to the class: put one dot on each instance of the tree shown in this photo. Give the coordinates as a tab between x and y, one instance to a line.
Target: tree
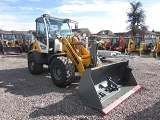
136	18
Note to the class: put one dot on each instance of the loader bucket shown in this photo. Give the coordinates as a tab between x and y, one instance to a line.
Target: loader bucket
106	87
12	50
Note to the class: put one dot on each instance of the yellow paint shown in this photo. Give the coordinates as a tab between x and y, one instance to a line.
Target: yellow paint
36	46
156	47
76	53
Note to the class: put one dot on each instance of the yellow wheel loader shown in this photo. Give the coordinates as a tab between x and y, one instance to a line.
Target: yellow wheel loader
156	50
27	40
101	87
10	45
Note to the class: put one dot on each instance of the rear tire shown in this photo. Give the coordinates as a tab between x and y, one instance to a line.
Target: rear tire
62	71
33	66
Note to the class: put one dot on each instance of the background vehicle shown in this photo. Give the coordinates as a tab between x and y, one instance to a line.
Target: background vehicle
150	43
55	46
156	50
27	40
11	44
141	45
112	43
118	44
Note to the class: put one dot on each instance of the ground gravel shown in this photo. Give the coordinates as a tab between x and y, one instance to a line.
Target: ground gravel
34	97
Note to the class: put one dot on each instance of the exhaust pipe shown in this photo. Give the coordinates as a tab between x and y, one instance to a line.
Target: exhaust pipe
106	87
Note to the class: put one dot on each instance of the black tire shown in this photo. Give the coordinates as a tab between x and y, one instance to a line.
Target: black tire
62	71
33	66
153	54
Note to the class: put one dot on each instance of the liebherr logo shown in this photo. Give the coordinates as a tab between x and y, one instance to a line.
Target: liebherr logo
73	55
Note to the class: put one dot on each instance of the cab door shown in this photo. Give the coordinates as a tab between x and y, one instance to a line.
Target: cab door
42	34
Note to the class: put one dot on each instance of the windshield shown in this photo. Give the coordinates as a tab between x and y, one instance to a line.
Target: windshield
28	37
8	37
18	37
137	40
114	40
58	26
150	40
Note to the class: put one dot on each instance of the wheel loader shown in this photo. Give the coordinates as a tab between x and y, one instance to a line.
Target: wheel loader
101	87
156	50
27	40
10	45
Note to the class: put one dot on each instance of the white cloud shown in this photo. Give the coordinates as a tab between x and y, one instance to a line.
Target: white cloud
95	15
45	10
4	7
26	8
114	15
96	6
9	22
73	1
97	24
152	17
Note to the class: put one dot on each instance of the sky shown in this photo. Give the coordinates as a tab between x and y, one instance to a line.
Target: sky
95	15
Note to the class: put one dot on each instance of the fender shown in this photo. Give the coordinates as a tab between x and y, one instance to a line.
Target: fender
44	58
41	58
52	56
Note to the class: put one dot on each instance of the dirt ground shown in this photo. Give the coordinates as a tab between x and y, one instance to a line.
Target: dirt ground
32	97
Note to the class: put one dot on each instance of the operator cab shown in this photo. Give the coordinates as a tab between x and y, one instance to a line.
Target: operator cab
49	30
138	40
7	37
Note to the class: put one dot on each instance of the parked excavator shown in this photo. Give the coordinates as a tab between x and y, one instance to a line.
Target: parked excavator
11	44
112	43
104	44
118	44
140	44
129	45
102	87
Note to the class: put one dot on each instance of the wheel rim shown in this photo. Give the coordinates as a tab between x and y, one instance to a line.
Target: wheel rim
31	64
57	72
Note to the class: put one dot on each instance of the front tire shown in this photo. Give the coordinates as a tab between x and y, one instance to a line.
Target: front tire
33	66
62	71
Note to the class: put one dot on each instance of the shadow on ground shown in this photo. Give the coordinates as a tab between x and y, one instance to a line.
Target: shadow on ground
71	105
20	82
151	113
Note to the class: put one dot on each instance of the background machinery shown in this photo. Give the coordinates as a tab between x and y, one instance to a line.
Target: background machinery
156	50
11	43
112	43
28	38
99	86
140	44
